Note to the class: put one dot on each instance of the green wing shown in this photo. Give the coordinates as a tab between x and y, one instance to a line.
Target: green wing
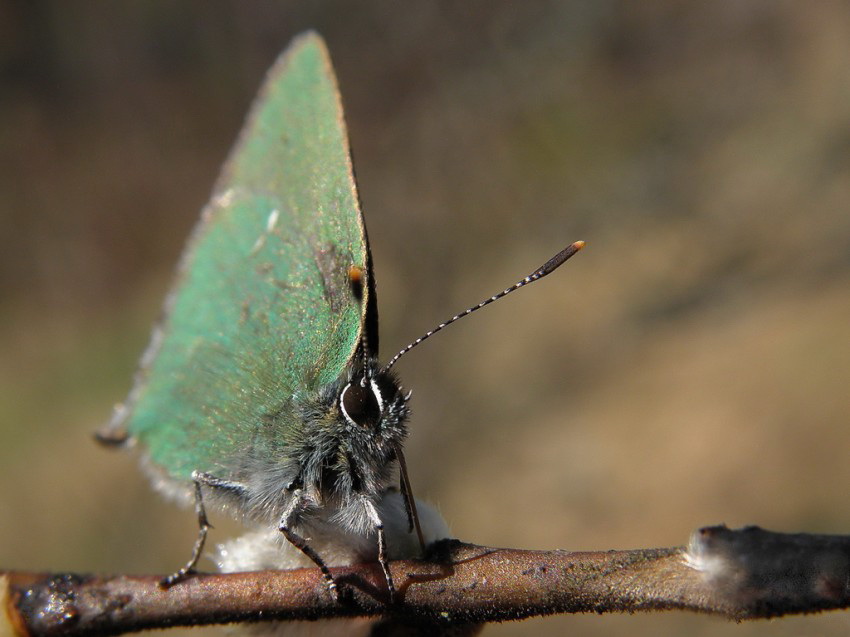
263	307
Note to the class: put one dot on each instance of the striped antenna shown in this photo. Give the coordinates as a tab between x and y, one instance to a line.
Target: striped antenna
547	268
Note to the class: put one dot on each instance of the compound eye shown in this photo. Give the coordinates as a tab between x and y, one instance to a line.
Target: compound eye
361	404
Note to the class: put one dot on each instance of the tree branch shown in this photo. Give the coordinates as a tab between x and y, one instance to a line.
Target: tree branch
742	574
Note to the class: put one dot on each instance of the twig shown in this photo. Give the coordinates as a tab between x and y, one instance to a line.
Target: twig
743	574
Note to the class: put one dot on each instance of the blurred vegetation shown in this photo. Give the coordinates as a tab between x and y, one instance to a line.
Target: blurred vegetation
688	368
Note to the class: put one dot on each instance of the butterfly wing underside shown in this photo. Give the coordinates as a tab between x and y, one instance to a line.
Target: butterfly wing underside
263	306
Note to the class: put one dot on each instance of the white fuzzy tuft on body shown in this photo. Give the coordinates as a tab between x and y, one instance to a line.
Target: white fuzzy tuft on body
268	549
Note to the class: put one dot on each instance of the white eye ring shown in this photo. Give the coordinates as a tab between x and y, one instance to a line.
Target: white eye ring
378	396
379	400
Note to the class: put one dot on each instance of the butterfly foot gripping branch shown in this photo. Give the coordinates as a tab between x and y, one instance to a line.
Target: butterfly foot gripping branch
297	504
204	526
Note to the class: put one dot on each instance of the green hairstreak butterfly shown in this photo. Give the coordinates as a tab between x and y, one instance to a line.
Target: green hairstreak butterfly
261	390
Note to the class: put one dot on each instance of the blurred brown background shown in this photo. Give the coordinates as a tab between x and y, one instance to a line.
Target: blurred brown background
688	368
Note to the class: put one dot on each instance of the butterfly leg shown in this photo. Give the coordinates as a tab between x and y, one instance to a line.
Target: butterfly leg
200	479
409	500
294	509
372	512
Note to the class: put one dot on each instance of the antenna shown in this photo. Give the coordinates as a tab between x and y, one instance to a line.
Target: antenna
547	268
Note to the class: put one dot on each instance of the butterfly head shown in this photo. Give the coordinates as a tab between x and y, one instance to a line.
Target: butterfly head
353	433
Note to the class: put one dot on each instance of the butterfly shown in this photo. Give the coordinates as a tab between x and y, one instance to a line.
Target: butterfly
261	391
